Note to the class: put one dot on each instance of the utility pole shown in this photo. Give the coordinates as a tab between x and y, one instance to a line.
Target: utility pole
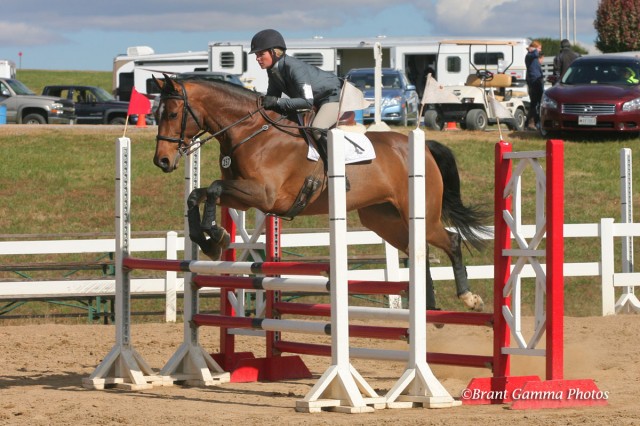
565	19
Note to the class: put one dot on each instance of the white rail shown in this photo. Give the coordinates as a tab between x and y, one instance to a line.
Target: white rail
602	264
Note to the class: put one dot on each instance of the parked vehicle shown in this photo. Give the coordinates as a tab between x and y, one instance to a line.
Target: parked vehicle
598	93
25	107
93	105
470	104
7	68
399	103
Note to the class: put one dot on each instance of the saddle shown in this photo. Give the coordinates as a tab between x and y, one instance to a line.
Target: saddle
313	182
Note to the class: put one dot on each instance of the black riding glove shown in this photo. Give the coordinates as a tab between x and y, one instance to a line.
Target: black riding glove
270	102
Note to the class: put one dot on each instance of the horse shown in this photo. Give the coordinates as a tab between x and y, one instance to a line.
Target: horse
264	165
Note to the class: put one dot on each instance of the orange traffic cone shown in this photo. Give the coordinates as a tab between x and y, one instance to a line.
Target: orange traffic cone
451	126
142	120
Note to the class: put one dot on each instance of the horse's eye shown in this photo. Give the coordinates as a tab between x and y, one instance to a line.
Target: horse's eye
173	115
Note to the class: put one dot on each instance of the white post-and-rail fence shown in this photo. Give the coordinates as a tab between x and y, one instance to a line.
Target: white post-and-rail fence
607	231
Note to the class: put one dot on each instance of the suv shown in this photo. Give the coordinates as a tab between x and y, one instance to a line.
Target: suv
399	104
25	107
93	105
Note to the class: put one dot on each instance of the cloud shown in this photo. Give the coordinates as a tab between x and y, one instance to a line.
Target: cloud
23	34
468	16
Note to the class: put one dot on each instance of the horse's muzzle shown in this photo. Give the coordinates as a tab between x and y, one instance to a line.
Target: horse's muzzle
165	163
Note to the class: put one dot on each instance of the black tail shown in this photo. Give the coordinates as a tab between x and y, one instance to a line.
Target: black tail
468	220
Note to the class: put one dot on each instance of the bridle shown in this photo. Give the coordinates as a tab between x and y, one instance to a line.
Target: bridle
186	148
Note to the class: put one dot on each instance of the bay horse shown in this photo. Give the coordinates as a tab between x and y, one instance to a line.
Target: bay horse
264	165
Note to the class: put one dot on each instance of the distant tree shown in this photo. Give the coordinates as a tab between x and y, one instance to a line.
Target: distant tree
551	46
617	24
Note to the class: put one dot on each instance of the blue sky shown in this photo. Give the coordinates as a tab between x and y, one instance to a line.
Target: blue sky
86	35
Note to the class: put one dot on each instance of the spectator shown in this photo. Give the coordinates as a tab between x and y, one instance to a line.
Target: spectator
535	83
563	59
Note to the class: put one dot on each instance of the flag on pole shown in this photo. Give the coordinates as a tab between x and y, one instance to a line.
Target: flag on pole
351	99
138	104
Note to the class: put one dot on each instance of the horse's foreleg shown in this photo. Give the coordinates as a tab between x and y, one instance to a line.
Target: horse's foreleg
211	238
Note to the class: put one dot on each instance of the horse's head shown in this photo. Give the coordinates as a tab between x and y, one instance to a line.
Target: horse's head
177	124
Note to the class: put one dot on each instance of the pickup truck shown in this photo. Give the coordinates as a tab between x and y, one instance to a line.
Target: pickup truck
94	105
25	107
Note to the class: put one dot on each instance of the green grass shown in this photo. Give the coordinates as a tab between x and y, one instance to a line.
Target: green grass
36	80
60	180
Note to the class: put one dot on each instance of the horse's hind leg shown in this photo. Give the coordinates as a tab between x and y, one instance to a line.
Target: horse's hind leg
471	300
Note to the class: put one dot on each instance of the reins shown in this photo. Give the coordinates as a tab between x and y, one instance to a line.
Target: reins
186	148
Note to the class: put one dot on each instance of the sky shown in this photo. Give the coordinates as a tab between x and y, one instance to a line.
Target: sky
87	35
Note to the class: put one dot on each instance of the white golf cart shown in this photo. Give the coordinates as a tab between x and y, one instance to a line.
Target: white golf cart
485	99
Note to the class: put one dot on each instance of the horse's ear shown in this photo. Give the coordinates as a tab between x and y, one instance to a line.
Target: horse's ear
159	83
168	87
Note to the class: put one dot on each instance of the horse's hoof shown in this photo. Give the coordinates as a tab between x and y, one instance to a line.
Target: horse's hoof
472	301
213	247
211	250
225	240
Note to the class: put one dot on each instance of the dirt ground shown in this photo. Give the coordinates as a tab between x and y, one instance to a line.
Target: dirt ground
42	367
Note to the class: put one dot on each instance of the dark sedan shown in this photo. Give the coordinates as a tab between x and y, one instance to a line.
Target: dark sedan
598	93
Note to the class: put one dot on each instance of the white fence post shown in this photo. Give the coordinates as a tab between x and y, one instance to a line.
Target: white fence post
171	278
607	266
626	301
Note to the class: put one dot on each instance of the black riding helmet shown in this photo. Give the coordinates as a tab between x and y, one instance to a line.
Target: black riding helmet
267	39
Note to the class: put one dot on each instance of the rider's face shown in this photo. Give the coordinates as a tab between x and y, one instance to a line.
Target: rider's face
264	58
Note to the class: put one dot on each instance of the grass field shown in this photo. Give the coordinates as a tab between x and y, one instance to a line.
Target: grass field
59	180
37	79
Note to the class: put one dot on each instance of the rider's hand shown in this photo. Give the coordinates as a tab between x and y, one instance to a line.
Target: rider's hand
270	102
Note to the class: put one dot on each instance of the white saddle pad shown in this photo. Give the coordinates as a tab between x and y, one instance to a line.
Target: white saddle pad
358	148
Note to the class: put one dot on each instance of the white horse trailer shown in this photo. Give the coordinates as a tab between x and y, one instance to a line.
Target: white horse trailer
7	68
141	63
416	56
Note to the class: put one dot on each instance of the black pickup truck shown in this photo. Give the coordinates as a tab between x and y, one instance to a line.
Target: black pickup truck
94	105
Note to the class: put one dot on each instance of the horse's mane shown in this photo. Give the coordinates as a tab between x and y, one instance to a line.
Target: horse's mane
233	89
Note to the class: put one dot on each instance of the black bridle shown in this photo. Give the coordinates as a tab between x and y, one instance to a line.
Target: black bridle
187	147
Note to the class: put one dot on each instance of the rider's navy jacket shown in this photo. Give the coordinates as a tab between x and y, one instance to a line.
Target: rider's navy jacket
304	84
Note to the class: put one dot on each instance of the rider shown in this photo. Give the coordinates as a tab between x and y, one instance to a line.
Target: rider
305	85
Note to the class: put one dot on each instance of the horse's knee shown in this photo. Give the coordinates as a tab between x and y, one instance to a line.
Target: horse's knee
214	191
196	197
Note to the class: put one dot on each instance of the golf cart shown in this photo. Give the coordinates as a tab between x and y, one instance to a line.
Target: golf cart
485	99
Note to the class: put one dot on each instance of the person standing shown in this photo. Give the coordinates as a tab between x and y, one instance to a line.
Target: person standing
535	84
564	58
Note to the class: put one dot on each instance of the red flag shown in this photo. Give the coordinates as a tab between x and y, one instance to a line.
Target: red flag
138	104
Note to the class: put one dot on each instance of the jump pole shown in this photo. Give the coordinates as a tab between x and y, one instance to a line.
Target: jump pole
418	385
341	387
123	367
191	364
